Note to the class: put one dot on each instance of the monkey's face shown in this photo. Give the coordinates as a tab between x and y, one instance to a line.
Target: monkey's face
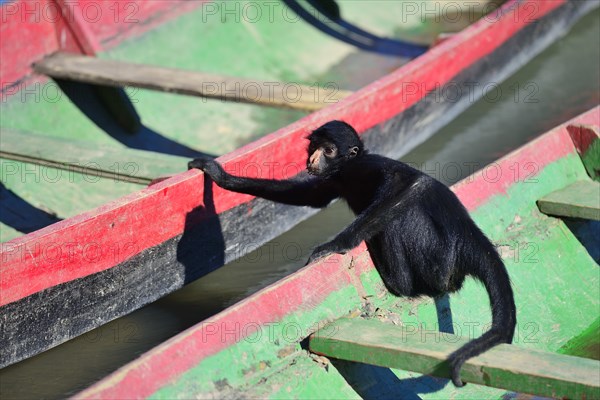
332	145
321	157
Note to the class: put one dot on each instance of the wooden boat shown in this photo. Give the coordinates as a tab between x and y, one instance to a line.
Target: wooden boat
63	280
271	344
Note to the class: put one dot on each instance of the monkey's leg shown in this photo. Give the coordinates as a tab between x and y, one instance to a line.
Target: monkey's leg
389	258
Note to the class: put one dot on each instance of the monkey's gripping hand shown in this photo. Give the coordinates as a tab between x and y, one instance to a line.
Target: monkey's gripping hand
210	167
325	250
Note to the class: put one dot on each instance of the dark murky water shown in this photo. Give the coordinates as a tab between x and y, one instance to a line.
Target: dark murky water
559	84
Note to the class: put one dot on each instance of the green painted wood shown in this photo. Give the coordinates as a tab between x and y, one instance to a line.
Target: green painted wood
505	366
578	200
586	344
118	73
128	165
591	160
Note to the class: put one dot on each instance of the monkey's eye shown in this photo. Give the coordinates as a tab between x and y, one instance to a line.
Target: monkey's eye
328	151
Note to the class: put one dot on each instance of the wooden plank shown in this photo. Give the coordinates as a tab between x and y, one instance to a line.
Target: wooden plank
579	200
119	73
129	165
505	366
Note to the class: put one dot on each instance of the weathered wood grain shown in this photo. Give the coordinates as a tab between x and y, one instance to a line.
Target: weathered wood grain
505	366
119	73
579	200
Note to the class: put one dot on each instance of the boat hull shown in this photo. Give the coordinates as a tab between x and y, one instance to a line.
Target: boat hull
106	263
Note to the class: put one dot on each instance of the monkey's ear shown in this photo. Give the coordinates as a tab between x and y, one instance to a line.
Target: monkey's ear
353	151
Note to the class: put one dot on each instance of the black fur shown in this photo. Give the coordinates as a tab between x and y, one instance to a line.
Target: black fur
420	237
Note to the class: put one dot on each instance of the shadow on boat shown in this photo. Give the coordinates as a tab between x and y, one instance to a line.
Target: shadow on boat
201	248
373	382
588	233
21	215
88	99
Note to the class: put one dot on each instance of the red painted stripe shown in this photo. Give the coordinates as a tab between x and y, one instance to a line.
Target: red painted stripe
100	239
26	35
305	288
521	165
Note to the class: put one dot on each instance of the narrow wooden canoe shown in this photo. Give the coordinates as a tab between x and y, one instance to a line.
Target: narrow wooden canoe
70	277
258	348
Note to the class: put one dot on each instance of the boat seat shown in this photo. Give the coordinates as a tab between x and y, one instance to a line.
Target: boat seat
99	71
505	366
578	200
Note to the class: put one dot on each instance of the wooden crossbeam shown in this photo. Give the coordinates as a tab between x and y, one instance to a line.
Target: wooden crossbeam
579	200
505	366
118	73
128	165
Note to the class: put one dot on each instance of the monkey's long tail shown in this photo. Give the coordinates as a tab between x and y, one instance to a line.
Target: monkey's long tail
497	283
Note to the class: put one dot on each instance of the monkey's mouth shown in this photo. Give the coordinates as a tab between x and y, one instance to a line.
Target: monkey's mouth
312	171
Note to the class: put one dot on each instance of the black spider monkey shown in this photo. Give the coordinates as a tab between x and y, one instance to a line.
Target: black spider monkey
419	235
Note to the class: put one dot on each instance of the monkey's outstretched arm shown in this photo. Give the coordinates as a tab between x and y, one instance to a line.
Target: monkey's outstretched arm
312	191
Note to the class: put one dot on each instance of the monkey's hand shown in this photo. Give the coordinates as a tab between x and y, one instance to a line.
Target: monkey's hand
210	167
200	162
323	251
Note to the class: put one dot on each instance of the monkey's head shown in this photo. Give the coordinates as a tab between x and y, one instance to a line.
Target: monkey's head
332	145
